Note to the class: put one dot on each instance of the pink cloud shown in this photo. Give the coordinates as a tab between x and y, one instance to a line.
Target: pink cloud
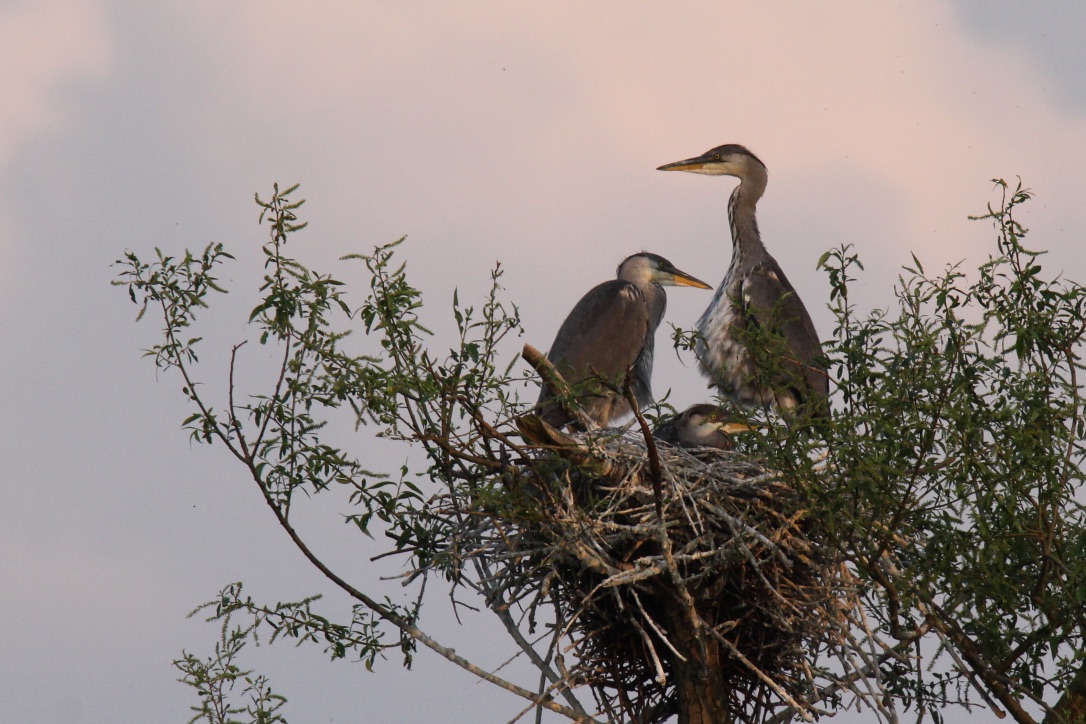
46	46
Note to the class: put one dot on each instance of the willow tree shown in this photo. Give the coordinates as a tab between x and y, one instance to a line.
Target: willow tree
921	551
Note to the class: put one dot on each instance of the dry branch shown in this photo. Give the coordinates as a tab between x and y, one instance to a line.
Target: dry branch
553	380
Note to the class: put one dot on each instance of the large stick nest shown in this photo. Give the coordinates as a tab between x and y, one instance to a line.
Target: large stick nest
719	578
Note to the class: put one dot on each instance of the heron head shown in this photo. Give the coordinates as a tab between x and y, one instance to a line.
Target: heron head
705	422
730	159
645	268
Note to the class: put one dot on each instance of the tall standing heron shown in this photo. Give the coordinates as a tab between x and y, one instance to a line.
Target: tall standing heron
756	293
612	330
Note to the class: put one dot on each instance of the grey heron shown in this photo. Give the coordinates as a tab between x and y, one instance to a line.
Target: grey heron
700	425
755	293
612	330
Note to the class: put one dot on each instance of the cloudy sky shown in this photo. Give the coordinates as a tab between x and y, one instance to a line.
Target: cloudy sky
492	131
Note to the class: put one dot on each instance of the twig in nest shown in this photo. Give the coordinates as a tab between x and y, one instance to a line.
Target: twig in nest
655	473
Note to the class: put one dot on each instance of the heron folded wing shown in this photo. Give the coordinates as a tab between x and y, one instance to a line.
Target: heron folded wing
603	334
771	302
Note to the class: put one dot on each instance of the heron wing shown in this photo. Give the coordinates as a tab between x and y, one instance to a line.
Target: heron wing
771	302
604	334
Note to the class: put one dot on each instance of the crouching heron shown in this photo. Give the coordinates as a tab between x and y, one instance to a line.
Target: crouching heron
701	425
612	330
789	375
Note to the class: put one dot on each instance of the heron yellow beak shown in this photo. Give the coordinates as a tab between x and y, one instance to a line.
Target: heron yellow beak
732	428
682	279
690	164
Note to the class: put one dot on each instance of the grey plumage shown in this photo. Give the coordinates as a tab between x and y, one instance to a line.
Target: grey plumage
755	293
610	330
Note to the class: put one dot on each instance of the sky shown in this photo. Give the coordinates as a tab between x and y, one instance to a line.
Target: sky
484	131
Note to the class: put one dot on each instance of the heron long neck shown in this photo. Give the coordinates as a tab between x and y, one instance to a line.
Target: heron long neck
746	240
656	298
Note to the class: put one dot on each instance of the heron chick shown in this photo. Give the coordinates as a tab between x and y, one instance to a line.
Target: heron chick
612	330
755	293
701	425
